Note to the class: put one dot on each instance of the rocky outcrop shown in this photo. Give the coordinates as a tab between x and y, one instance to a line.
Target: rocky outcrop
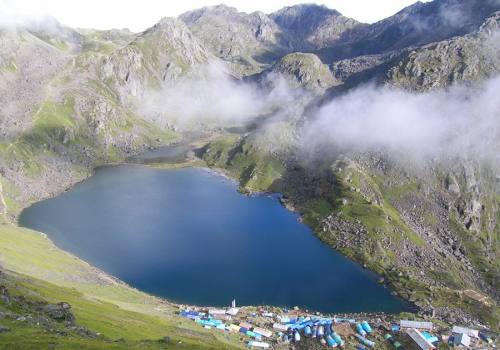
60	312
57	319
463	59
460	60
27	66
253	41
416	25
304	70
159	55
362	69
313	27
248	41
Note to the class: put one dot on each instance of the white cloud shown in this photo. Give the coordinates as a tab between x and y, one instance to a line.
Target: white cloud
453	122
212	96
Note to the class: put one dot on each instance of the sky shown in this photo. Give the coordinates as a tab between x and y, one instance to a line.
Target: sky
138	15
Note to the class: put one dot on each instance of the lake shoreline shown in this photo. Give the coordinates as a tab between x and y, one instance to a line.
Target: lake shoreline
414	313
191	161
110	174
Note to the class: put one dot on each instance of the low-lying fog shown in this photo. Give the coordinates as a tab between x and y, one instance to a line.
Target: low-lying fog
448	122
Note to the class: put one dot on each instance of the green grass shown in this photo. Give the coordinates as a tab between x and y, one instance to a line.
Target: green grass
22	151
105	91
255	169
52	116
149	132
99	46
399	191
10	67
430	219
44	272
9	194
374	217
24	337
317	210
369	201
475	251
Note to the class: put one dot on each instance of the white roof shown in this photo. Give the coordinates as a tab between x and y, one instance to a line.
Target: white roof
464	330
217	312
280	327
462	339
418	338
415	324
265	332
233	311
259	344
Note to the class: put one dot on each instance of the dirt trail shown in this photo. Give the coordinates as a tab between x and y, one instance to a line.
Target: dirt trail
3	205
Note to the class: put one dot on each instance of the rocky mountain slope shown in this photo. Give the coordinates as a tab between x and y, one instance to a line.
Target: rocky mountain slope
248	41
312	27
416	25
160	54
431	228
303	70
459	60
254	41
467	58
66	110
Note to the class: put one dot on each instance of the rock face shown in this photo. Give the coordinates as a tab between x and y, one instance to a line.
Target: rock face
59	312
313	27
468	58
416	25
57	319
462	59
27	64
67	107
304	70
362	68
253	41
160	54
248	41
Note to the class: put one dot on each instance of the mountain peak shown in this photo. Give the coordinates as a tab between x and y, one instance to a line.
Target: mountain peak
305	9
313	26
304	70
215	10
168	23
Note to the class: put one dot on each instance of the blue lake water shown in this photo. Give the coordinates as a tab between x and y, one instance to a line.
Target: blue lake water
188	235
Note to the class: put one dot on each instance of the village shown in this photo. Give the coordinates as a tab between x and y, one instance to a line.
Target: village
282	328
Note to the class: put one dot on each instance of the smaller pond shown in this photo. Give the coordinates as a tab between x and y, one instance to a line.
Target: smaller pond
190	236
174	153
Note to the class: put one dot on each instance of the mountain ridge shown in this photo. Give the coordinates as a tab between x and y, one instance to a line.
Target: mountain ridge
74	99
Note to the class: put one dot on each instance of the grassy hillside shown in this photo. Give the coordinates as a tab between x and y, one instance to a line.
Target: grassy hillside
386	221
256	170
41	273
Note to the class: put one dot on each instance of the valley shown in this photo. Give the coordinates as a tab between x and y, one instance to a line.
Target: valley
381	138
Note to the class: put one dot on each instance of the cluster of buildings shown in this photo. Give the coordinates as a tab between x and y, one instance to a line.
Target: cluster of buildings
420	334
278	328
